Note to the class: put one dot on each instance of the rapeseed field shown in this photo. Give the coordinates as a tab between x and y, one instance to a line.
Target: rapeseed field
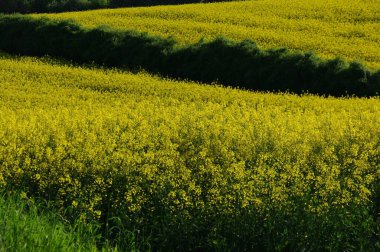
183	165
132	161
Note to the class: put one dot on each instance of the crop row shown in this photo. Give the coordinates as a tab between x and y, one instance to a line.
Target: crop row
190	166
239	64
330	28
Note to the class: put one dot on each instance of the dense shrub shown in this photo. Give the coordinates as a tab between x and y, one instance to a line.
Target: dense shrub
236	64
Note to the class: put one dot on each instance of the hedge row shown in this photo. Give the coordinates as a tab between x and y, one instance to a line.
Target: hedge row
33	6
237	64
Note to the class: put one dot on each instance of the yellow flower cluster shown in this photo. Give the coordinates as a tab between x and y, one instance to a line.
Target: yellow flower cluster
331	28
102	141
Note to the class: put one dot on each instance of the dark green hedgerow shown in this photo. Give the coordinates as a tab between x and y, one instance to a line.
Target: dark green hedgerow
33	6
238	64
40	6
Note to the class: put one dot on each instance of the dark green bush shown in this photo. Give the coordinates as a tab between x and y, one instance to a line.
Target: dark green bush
230	63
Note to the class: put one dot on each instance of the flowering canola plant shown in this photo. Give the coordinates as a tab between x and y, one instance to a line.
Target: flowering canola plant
183	160
330	28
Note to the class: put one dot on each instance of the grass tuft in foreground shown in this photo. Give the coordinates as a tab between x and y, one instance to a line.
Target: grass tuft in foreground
27	226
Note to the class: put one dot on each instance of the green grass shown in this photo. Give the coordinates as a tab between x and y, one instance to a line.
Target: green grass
26	226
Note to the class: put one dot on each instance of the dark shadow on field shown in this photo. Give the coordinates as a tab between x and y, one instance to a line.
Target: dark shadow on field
236	64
